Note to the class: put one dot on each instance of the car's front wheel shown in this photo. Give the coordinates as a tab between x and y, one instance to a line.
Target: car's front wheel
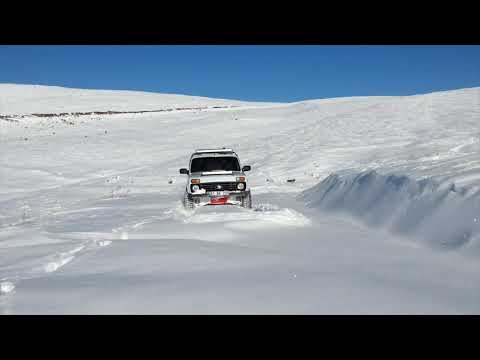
187	201
247	201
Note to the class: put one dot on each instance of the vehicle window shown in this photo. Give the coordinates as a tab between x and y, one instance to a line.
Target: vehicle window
226	163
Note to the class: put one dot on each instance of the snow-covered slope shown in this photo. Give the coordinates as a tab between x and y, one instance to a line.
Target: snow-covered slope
29	99
441	217
90	220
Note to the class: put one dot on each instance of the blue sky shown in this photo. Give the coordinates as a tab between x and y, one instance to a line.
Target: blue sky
261	73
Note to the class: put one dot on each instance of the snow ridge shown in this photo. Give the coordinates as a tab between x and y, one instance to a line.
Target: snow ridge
442	216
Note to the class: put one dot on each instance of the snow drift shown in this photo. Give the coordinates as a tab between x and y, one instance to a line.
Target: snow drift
441	216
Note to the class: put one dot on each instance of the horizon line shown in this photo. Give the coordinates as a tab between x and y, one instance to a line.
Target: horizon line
240	100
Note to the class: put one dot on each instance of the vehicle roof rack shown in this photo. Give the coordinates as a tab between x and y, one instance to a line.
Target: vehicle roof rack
221	150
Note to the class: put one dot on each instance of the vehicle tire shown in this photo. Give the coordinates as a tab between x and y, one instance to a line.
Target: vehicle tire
187	201
247	201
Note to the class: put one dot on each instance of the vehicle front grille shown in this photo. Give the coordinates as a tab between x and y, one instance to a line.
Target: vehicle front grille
226	186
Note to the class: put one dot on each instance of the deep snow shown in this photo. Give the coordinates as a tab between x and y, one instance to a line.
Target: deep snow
383	216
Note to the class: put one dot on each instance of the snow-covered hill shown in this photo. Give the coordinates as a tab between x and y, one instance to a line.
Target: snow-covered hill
30	99
383	216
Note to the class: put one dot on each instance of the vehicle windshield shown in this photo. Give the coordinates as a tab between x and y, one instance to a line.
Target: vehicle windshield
225	163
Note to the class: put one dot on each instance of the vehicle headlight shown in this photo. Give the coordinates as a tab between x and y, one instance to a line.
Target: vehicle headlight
195	188
240	186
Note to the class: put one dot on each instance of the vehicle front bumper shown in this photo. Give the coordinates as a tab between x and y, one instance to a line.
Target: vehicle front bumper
232	198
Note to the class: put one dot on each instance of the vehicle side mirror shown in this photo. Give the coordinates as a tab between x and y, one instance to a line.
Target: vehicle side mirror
184	171
246	168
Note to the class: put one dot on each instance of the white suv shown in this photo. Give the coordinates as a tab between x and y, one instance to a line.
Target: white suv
216	178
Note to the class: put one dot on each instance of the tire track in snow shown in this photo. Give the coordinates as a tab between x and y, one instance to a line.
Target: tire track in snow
50	264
